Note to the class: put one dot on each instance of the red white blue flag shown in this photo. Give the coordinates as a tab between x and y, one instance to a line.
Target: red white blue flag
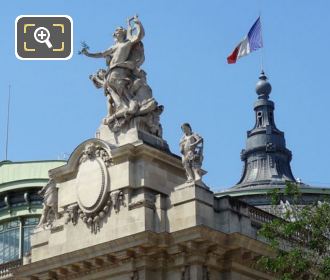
250	43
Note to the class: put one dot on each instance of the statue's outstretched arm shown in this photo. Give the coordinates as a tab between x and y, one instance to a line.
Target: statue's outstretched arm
95	55
129	29
139	31
98	54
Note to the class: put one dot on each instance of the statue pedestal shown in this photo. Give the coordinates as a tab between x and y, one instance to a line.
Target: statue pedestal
132	134
198	183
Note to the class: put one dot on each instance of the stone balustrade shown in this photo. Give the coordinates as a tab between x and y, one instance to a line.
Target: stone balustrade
5	268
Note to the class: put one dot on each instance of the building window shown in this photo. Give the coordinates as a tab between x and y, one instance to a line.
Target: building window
9	241
15	238
28	226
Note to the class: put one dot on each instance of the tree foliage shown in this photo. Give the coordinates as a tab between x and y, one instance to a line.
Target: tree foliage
300	238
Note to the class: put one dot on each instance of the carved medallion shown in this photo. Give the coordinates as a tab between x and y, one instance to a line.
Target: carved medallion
94	200
92	185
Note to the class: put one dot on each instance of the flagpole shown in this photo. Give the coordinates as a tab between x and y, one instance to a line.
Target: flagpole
262	60
8	115
262	49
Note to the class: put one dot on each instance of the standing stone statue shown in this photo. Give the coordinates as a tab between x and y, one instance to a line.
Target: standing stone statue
191	147
49	211
125	83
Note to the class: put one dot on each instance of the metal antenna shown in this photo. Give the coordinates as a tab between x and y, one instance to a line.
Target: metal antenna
8	115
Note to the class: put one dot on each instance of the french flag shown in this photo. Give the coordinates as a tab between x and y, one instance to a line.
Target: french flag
250	43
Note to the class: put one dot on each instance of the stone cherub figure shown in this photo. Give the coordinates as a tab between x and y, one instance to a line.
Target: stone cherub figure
124	82
191	147
50	200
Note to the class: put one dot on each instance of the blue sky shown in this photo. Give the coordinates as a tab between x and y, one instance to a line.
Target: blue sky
55	106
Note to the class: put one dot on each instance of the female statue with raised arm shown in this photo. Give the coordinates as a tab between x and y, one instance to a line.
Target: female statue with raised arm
124	82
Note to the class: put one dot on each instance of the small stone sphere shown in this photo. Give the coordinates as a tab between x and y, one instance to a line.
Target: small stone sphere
263	87
101	214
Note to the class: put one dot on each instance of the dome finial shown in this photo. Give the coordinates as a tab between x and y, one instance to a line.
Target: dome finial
263	87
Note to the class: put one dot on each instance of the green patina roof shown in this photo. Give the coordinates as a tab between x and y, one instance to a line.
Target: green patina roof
29	173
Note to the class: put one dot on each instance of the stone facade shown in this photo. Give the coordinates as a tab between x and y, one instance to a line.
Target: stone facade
128	213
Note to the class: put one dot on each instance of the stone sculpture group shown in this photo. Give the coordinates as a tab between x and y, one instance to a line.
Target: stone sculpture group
129	95
125	83
130	104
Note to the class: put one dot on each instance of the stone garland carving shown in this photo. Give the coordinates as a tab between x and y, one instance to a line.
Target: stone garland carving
50	202
92	215
92	151
71	214
116	199
93	221
129	97
191	147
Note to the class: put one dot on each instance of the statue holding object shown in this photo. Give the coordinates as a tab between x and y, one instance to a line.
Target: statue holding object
125	83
